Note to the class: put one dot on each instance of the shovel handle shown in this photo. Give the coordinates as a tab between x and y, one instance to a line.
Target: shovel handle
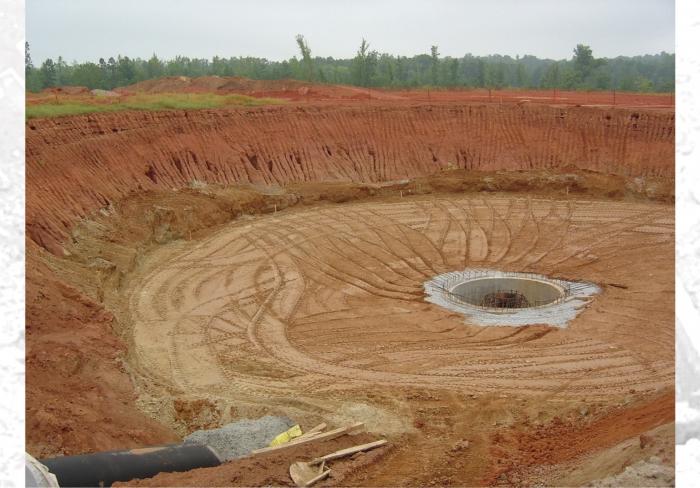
349	451
321	476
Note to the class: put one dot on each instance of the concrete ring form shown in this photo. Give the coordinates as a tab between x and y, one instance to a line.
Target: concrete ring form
549	301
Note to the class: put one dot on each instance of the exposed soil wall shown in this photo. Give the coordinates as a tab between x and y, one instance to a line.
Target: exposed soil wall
80	164
79	395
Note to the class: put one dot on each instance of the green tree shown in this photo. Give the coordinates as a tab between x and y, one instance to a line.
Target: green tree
401	71
154	67
551	78
521	76
434	60
601	80
453	72
369	68
48	73
88	74
218	66
643	84
126	71
364	65
63	72
584	62
281	70
32	76
104	74
112	73
569	78
481	74
28	66
307	62
495	76
385	74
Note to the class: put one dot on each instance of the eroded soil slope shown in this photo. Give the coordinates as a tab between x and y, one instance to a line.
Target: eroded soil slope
77	165
79	396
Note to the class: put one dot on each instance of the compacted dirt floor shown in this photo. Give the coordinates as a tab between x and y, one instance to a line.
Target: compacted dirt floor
319	314
327	301
328	304
160	302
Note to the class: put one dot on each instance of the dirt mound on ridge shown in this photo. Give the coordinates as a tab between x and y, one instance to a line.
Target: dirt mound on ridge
224	85
302	91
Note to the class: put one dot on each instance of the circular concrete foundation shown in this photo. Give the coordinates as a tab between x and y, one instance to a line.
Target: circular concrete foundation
492	297
508	292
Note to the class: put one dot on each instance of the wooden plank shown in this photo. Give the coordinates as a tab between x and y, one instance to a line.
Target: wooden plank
316	429
305	436
310	433
331	434
349	451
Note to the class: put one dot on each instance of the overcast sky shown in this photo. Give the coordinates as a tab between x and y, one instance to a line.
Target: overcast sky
89	29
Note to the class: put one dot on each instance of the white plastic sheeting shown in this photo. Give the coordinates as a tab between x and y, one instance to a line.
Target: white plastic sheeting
37	475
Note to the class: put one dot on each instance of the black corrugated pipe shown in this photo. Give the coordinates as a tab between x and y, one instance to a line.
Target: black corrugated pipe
105	468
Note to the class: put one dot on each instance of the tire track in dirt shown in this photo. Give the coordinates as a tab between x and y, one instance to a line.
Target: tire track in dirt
323	302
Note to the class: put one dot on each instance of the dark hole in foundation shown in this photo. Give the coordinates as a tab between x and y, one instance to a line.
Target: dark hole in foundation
505	299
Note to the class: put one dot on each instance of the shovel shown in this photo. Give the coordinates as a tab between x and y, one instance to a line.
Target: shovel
306	474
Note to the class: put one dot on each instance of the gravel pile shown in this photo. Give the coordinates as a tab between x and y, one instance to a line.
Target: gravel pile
237	439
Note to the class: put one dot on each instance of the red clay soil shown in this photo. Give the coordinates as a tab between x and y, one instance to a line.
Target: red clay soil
550	97
79	397
514	450
524	446
124	152
286	89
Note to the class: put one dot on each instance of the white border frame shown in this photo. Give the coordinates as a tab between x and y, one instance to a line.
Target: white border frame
12	242
12	32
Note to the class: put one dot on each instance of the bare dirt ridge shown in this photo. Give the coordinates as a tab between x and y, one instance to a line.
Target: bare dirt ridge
306	92
186	269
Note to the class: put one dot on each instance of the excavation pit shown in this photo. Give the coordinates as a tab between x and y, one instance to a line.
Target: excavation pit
491	297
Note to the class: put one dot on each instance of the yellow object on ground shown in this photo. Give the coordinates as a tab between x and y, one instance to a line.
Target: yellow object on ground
286	436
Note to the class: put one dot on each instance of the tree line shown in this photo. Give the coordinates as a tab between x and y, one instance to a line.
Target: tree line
369	68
